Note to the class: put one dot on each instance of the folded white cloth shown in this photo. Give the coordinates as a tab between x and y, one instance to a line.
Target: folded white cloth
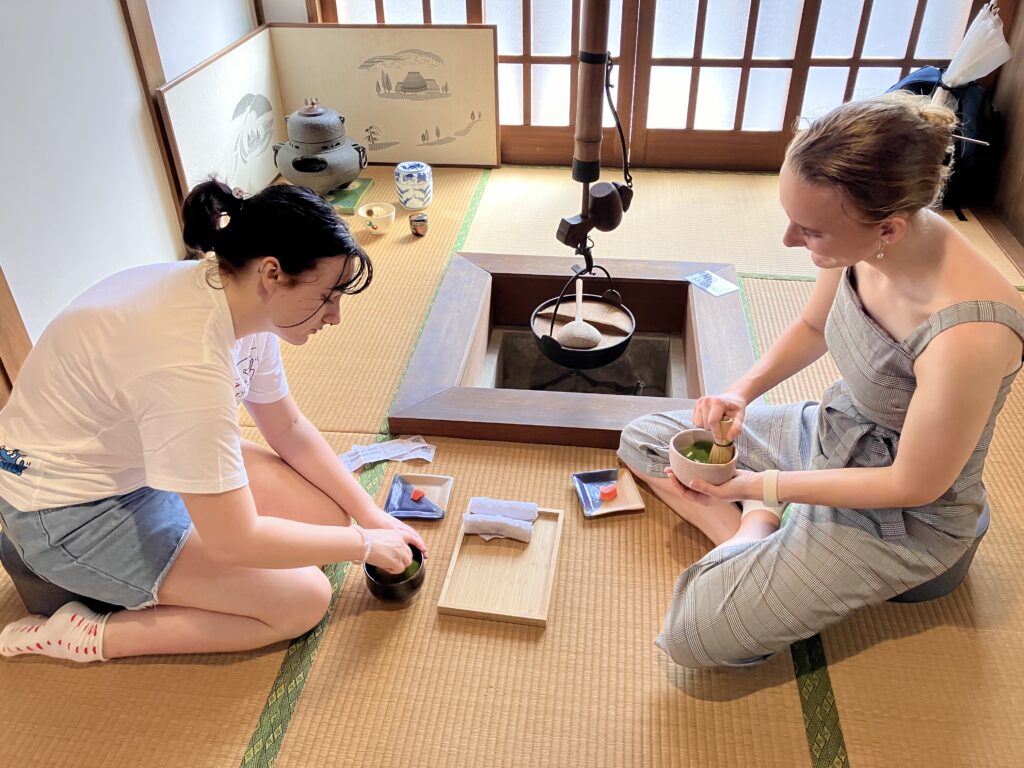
489	526
517	510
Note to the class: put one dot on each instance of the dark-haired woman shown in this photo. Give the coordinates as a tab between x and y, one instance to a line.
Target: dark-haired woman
134	486
884	475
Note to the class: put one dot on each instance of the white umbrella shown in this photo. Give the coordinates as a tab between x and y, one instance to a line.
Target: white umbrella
983	49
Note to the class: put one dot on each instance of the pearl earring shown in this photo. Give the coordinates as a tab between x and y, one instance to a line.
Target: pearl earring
881	251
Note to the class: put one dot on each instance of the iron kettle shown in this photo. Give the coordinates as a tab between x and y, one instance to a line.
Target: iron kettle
318	153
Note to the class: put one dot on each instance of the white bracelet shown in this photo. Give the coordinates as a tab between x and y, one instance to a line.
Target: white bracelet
770	488
367	543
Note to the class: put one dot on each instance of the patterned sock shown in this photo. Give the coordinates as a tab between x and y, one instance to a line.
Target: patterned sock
74	632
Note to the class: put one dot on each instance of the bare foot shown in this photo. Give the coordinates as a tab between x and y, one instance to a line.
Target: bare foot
757	525
718	520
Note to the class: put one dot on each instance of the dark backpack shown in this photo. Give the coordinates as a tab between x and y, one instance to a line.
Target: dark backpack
973	179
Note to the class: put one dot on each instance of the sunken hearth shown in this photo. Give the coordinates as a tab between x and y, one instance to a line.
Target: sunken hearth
477	372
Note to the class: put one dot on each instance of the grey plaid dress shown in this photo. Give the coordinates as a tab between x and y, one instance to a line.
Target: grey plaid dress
741	603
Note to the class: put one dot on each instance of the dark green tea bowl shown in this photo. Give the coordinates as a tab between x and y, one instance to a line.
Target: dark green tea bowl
396	587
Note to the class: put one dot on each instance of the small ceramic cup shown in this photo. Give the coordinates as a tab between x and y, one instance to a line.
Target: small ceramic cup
687	470
377	217
418	224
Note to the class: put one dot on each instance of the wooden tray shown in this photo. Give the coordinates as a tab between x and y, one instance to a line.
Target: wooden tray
504	579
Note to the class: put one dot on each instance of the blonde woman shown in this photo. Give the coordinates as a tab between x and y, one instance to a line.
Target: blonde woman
883	476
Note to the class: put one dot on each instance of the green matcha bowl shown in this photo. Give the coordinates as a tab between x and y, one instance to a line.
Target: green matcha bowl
396	587
685	453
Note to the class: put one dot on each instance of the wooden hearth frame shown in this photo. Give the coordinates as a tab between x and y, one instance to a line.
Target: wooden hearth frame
437	396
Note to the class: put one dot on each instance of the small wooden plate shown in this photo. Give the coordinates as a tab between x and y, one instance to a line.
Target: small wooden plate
588	489
504	579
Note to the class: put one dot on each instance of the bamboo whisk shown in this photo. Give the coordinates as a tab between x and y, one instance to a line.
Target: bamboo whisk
723	450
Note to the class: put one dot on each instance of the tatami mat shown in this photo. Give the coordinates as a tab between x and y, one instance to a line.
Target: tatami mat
412	687
773	305
679	215
344	378
935	682
929	685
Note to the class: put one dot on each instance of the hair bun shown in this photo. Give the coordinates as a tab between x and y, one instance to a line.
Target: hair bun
202	211
938	115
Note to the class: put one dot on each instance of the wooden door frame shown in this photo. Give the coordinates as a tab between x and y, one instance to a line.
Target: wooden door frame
553	145
151	76
689	148
15	343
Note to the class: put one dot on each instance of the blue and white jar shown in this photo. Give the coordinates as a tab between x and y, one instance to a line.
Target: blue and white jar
415	183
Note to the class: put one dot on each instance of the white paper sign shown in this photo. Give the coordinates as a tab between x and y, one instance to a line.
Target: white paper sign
712	283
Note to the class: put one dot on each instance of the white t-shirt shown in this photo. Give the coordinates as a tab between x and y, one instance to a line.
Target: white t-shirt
136	382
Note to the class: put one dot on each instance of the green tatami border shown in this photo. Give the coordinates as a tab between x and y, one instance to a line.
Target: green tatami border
817	698
268	737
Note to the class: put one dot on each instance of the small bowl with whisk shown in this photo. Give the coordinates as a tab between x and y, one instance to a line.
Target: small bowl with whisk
688	455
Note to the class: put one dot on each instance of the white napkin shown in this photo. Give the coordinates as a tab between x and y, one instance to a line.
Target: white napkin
490	526
517	510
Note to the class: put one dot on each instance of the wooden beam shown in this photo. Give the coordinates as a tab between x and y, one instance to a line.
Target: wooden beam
801	69
748	56
329	11
644	53
15	343
527	69
624	103
915	34
858	49
259	12
574	55
151	76
1004	238
698	53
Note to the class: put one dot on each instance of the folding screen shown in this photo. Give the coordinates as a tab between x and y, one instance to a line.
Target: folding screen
424	93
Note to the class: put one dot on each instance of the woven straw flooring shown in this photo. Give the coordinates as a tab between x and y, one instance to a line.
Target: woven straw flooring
929	685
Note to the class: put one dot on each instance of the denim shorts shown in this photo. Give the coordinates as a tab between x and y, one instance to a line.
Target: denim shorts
116	550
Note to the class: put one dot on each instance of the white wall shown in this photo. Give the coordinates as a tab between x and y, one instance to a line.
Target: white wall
190	31
84	192
288	10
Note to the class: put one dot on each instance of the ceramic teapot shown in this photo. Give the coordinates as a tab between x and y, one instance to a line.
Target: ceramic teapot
318	154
